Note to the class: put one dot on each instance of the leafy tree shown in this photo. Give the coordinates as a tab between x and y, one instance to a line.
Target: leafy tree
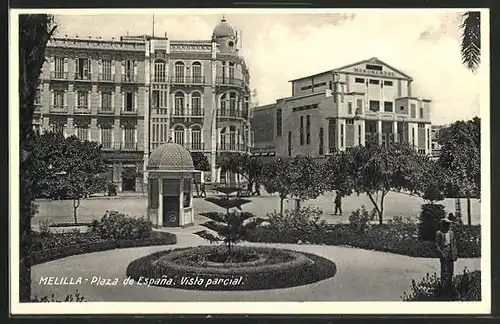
460	156
200	161
34	33
375	170
471	40
337	175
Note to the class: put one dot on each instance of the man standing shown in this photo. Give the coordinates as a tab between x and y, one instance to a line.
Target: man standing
447	251
338	204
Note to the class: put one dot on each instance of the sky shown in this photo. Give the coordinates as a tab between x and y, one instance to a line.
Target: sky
279	47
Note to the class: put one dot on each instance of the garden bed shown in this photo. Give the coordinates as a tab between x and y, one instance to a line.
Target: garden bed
261	268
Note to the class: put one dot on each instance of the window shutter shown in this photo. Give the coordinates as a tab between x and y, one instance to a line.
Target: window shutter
135	135
135	69
123	101
89	100
123	67
52	64
76	99
113	67
100	99
100	134
77	64
52	99
90	66
100	66
65	98
135	101
65	64
113	100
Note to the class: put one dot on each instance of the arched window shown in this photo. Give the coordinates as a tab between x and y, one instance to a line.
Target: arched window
196	104
231	71
160	71
232	138
179	72
223	105
196	72
179	135
232	104
179	104
223	145
196	142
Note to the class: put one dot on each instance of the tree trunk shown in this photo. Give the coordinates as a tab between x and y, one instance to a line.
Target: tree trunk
281	205
469	217
379	210
297	204
76	204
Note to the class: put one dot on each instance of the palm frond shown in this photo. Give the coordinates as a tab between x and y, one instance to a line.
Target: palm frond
471	40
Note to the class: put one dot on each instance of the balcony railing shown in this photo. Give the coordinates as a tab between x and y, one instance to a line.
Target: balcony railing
129	78
223	81
83	77
107	146
106	111
128	112
174	79
196	146
106	77
58	75
82	110
58	109
230	113
232	147
183	113
128	146
160	78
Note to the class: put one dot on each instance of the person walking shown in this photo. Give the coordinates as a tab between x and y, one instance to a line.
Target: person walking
447	251
338	204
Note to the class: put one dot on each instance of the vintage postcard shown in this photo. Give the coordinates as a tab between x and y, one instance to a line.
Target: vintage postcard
250	161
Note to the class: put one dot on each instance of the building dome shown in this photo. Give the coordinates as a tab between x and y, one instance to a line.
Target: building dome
170	156
223	29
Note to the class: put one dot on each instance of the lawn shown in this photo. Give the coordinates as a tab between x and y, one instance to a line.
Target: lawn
396	204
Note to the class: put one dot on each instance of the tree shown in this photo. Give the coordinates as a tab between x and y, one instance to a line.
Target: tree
377	169
68	168
337	175
34	33
471	40
460	156
200	161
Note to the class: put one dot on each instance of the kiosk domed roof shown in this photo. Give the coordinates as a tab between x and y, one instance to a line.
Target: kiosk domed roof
170	156
223	29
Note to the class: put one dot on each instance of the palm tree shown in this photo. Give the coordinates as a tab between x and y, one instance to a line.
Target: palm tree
471	40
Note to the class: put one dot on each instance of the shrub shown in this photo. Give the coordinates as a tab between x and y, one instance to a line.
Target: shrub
466	287
44	227
70	298
360	219
115	225
430	216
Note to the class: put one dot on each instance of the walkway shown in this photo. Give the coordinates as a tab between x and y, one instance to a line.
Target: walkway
361	276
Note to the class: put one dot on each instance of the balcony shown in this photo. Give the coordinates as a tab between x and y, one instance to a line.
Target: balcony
107	146
129	78
187	80
159	111
128	146
198	113
231	147
231	114
106	78
160	79
223	81
58	76
106	111
128	112
58	109
196	146
82	110
83	77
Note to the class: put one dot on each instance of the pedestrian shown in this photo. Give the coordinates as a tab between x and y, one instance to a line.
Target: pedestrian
338	204
447	252
203	192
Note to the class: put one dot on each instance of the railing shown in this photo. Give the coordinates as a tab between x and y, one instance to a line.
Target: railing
128	112
230	113
83	77
106	77
58	75
159	111
58	109
175	79
128	146
82	110
107	146
106	111
160	79
232	147
229	81
129	78
195	146
196	113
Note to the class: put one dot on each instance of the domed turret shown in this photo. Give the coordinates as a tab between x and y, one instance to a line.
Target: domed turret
170	156
223	29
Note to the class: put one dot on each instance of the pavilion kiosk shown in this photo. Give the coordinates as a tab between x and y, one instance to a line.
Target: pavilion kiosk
170	186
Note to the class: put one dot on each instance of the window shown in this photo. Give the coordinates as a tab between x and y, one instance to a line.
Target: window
159	99
197	78
232	103
341	135
421	125
223	139
179	135
421	112
107	73
349	108
58	128
106	101
179	104
83	97
321	135
224	70
59	99
196	104
359	106
359	80
421	151
196	138
289	143
301	130
129	138
413	136
187	193
373	67
82	132
106	137
401	108
349	121
374	105
308	129
330	85
388	106
428	139
83	68
160	71
388	83
232	138
59	67
223	104
129	70
231	70
372	81
38	97
359	134
413	110
279	122
129	101
179	72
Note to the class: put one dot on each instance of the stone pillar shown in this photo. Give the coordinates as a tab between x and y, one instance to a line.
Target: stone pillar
160	201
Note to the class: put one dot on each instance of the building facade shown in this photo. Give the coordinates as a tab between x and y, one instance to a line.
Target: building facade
133	94
343	108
